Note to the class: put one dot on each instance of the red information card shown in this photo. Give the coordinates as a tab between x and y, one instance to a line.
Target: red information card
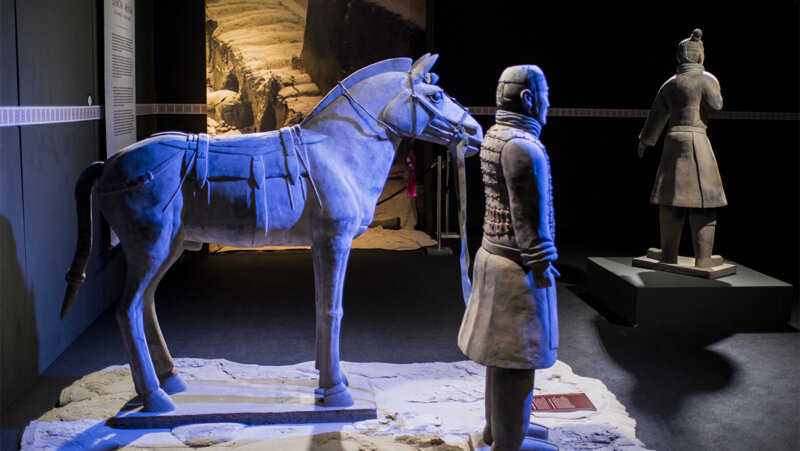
563	402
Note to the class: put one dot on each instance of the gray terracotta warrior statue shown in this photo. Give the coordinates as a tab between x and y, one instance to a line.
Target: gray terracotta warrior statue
510	324
688	180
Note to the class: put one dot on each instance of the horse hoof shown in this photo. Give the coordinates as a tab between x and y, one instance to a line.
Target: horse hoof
158	401
337	396
174	384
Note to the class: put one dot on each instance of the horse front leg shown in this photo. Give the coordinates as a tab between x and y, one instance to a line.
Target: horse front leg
330	265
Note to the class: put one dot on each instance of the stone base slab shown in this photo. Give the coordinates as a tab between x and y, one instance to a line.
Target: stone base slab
685	265
266	401
747	300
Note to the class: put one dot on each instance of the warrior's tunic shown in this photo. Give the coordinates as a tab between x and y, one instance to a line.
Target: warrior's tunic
688	175
508	322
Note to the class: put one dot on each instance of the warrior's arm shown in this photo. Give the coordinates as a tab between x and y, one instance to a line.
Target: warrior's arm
656	120
712	94
527	178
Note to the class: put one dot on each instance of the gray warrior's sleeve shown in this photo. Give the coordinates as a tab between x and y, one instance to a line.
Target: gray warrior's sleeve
527	177
656	120
712	95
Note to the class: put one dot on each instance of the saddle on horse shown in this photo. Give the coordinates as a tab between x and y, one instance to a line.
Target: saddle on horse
229	172
254	157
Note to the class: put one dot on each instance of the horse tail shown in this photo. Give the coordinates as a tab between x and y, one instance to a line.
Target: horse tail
83	200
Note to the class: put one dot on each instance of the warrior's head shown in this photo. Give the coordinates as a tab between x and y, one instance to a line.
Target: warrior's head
690	50
523	89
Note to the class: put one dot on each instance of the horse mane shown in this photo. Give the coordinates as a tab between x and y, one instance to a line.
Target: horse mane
390	65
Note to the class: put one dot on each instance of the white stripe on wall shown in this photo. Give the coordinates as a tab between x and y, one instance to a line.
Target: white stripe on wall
35	115
38	115
608	112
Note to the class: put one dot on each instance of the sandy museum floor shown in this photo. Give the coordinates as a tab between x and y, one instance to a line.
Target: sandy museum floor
432	406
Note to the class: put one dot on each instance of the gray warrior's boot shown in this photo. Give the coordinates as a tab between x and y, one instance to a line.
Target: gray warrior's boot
509	394
671	220
703	223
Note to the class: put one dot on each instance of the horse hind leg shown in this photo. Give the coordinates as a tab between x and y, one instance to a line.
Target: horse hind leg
168	377
145	261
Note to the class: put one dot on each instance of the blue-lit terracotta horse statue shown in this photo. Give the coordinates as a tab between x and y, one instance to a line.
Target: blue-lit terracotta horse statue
314	184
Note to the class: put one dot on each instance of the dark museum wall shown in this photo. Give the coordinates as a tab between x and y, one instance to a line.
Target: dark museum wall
51	55
50	58
617	55
19	360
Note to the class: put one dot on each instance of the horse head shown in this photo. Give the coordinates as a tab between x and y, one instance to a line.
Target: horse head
422	110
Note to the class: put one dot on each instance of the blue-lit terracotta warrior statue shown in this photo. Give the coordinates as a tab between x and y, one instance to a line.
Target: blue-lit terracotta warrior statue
688	180
510	324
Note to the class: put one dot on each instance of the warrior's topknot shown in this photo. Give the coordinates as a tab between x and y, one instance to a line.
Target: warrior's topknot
690	50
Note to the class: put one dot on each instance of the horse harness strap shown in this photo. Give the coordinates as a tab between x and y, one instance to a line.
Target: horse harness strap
414	101
353	100
201	161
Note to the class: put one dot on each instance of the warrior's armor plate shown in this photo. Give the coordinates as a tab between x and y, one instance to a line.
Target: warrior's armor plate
497	225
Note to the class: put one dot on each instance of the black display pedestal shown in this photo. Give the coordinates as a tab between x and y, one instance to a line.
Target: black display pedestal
646	297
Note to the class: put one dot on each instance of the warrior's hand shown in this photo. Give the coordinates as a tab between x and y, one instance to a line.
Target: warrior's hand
542	275
640	150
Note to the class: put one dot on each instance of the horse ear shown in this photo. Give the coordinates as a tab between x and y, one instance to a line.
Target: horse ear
420	60
422	66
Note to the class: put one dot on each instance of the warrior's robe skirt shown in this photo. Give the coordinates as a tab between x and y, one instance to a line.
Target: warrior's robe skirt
688	175
508	322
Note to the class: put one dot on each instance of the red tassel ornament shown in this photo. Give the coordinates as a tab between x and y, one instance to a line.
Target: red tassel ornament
411	159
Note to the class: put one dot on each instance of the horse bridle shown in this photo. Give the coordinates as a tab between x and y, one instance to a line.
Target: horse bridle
456	132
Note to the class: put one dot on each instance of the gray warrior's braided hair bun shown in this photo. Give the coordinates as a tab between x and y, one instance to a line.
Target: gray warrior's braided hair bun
690	50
